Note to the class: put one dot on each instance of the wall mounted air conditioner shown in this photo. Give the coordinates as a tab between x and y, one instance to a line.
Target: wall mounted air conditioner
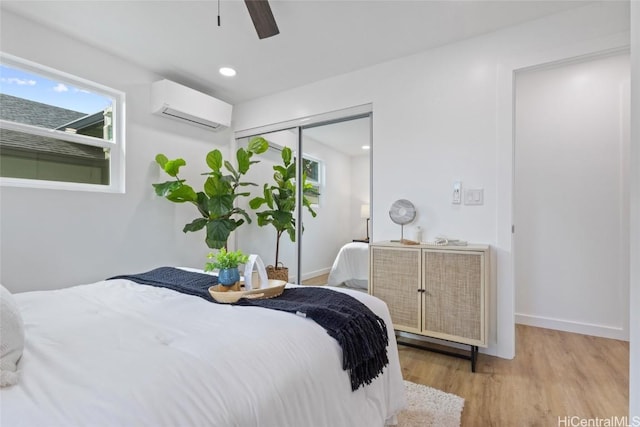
174	101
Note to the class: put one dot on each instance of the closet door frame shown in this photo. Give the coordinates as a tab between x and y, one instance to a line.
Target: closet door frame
300	125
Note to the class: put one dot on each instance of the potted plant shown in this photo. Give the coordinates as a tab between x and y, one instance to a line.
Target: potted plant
280	203
216	203
227	263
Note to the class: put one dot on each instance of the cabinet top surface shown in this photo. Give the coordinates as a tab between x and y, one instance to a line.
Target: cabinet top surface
423	245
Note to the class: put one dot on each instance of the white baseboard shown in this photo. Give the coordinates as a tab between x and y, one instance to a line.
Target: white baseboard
311	274
572	326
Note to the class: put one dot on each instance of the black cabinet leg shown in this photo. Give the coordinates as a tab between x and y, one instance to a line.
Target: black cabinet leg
474	357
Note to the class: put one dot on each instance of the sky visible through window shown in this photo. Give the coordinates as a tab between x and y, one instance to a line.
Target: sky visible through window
26	85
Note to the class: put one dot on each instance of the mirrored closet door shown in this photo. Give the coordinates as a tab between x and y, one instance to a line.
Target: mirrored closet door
336	166
342	151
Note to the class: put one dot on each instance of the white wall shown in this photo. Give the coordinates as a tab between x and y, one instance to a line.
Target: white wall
634	294
442	116
52	238
571	250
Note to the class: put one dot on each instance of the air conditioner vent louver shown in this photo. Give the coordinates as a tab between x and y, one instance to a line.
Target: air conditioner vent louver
194	120
174	101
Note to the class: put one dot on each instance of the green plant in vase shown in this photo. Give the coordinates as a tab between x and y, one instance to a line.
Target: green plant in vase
227	263
216	204
280	202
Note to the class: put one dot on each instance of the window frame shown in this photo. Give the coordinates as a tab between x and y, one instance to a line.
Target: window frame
116	145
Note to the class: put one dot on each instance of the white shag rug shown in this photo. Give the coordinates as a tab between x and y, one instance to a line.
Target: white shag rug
427	406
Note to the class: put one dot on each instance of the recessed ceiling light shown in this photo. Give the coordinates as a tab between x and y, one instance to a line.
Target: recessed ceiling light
227	71
365	147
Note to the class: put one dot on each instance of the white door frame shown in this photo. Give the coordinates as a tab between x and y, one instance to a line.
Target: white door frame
613	332
505	128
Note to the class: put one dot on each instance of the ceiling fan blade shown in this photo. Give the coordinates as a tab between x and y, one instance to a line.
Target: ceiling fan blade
262	18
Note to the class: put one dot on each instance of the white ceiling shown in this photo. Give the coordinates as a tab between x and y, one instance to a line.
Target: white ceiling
180	40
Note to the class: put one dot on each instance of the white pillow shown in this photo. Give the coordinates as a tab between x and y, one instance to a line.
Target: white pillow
11	338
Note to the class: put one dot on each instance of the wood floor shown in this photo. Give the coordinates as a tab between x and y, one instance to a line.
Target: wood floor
554	374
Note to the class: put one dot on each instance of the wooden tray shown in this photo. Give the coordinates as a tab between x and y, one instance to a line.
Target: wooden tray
225	295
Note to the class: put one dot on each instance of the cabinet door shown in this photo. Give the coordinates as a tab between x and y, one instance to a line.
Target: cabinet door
395	279
454	290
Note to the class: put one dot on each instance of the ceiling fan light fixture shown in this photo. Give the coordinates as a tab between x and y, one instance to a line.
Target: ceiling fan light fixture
227	71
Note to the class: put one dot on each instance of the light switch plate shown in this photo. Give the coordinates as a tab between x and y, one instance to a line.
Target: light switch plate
474	196
457	193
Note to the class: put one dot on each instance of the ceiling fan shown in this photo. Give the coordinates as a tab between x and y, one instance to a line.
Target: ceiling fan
262	18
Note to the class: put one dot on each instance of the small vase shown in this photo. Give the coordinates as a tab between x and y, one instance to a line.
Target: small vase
228	276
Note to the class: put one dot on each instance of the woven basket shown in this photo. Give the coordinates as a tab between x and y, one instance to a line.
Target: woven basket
280	272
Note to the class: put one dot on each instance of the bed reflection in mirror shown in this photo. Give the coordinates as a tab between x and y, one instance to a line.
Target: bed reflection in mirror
351	267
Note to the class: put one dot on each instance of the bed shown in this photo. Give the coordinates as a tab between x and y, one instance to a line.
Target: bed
351	266
117	353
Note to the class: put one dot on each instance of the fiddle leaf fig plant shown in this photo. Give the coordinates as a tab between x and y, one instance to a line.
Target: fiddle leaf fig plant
216	203
280	200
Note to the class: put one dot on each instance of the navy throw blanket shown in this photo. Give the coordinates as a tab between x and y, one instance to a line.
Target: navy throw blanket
187	282
360	333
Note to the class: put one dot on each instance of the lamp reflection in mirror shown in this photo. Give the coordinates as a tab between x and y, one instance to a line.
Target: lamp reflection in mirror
364	214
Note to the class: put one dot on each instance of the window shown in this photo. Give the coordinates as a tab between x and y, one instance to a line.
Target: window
59	131
313	169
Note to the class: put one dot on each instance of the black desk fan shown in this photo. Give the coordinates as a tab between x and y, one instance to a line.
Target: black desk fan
402	212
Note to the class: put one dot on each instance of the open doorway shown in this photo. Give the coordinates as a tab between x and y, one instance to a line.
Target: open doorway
571	196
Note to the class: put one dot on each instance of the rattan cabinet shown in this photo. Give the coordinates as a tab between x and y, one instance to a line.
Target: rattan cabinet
434	291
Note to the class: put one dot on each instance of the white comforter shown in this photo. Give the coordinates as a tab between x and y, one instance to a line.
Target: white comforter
351	266
120	354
